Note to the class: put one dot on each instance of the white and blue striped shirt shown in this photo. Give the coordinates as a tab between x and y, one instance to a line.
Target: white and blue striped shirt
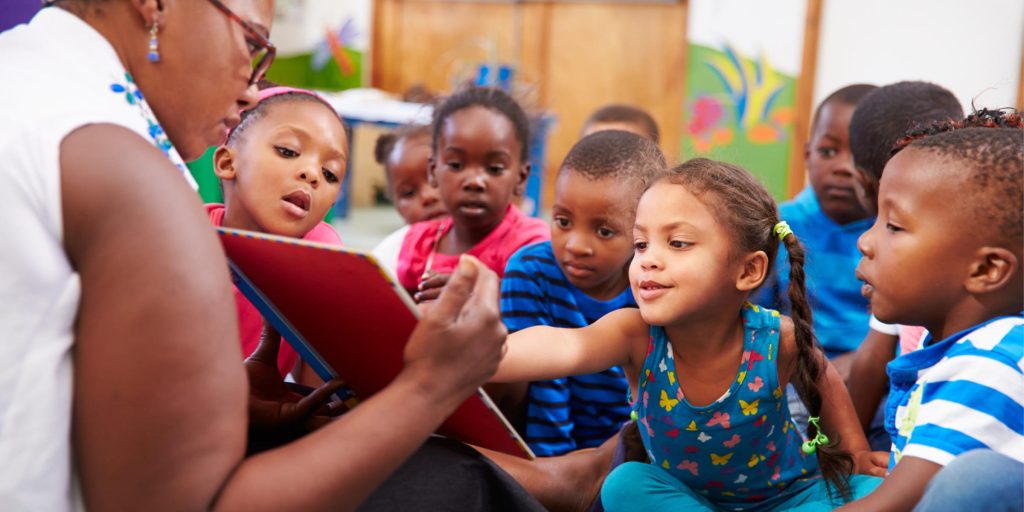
962	393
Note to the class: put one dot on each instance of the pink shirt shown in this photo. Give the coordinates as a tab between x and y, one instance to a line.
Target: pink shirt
515	231
250	321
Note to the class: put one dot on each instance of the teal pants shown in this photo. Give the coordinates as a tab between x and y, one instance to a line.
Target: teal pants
641	487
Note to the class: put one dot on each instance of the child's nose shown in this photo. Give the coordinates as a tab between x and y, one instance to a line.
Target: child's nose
309	177
648	260
475	180
864	243
577	246
429	195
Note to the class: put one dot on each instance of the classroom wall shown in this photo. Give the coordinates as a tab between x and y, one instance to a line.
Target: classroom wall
572	57
972	48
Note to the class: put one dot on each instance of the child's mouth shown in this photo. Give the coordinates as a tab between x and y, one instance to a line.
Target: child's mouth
473	208
650	290
866	289
297	203
577	270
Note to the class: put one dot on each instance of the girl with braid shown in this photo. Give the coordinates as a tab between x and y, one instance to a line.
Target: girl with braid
708	370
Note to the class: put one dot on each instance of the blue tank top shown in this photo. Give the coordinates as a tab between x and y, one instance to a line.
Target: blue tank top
739	451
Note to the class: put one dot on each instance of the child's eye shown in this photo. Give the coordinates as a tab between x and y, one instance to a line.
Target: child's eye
605	233
827	152
678	244
329	176
406	193
454	165
639	246
285	152
892	227
496	169
562	222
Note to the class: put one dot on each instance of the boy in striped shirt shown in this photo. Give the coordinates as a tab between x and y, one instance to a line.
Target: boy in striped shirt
946	253
578	277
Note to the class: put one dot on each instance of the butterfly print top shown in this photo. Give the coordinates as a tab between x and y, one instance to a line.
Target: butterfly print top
738	451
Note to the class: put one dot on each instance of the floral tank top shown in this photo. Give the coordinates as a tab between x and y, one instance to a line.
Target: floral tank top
739	451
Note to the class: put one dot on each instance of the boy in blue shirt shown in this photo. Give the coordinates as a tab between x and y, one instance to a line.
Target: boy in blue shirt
578	277
946	253
828	218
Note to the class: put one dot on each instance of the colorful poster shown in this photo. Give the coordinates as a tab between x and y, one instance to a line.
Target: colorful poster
322	44
742	67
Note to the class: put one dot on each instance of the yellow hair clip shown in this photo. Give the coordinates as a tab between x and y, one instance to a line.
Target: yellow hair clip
782	230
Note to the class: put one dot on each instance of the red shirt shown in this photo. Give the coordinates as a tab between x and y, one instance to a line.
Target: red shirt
250	321
515	231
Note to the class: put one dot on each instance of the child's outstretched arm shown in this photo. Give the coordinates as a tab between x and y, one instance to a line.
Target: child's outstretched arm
838	417
540	353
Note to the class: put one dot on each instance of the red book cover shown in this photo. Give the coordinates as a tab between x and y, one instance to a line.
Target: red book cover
346	317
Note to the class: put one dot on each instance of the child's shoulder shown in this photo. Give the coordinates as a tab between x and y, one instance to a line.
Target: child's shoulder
323	233
1000	340
533	254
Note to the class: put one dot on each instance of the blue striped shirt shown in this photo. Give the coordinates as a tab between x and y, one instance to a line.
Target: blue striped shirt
573	412
962	393
841	314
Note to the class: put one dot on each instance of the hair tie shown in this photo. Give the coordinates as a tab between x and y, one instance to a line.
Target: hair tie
782	230
277	91
820	439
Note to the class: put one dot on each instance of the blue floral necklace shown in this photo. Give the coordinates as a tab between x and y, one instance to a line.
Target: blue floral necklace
133	96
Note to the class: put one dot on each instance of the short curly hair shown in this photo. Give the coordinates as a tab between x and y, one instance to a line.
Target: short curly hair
989	147
888	113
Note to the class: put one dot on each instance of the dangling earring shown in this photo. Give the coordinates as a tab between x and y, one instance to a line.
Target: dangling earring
154	52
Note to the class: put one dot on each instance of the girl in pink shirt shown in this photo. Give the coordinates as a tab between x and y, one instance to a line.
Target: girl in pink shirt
281	169
479	164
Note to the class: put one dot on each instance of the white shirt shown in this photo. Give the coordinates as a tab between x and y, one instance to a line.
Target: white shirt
59	74
388	249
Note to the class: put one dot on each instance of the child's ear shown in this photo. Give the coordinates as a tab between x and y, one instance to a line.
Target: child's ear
753	272
524	173
991	270
807	152
224	163
431	167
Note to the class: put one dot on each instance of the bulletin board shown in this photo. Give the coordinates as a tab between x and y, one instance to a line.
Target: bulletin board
748	86
322	44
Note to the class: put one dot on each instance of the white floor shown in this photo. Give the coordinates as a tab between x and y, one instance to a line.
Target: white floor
365	227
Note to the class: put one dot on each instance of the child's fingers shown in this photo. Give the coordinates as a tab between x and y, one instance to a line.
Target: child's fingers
434	281
270	343
879	463
427	295
315	400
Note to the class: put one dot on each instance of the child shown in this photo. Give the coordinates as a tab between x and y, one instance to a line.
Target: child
946	254
479	164
622	117
281	170
706	368
829	219
405	155
578	277
881	119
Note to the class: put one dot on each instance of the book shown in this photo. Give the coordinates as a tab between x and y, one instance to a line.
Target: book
347	317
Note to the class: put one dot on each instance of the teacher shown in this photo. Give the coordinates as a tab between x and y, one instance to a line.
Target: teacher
121	387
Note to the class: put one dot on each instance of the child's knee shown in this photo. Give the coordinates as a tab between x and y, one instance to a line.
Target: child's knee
620	486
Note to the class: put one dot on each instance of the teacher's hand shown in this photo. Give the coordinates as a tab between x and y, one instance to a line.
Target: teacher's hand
460	340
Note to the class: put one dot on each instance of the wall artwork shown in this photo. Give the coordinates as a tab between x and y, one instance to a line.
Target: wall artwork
743	63
322	44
